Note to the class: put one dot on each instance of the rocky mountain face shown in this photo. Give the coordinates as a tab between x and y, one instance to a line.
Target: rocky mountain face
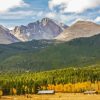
49	30
79	29
6	37
44	29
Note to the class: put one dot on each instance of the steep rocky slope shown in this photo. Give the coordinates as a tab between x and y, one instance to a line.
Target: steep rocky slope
6	37
44	29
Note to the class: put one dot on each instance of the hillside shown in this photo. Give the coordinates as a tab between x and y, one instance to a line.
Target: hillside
79	29
47	55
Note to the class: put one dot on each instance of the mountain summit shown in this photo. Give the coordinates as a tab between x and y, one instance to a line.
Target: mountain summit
79	29
44	29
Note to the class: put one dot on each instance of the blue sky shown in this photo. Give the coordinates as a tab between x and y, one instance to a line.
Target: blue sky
18	12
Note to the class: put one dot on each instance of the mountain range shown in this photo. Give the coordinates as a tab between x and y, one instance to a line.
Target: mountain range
48	29
47	45
44	29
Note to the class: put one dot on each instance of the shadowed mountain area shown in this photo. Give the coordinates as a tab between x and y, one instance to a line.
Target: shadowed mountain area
6	37
39	55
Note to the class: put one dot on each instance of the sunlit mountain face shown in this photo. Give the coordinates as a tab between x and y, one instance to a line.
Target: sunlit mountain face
42	29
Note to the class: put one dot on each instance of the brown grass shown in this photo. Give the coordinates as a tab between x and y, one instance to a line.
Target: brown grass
58	96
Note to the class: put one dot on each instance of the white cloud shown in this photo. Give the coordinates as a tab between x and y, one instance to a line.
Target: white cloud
97	19
60	17
11	28
81	19
76	6
39	14
51	15
16	15
6	5
54	3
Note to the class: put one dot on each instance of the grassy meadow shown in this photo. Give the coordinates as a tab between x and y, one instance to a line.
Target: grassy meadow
57	96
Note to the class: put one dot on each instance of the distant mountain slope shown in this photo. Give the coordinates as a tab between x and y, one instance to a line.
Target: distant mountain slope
6	37
79	29
48	29
44	29
50	55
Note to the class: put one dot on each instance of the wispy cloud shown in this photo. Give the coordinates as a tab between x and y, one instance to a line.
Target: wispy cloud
18	12
61	17
51	15
97	19
73	6
16	15
6	5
